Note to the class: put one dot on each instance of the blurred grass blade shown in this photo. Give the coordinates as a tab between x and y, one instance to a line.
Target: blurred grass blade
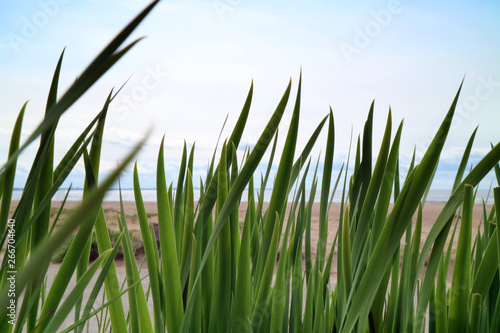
44	252
10	172
101	64
106	258
59	211
61	177
73	254
105	305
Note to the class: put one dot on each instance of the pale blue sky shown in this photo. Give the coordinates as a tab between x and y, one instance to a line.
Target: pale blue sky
199	57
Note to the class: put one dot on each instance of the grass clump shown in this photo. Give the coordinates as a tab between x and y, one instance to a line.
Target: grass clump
224	278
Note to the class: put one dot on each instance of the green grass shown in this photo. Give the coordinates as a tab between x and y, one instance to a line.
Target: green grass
216	274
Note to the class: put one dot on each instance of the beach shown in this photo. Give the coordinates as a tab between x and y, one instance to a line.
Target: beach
111	210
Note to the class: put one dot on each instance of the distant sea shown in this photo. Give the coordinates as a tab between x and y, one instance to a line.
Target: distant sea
150	195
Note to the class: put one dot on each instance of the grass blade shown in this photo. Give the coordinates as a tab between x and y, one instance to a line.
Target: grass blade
170	265
9	174
459	304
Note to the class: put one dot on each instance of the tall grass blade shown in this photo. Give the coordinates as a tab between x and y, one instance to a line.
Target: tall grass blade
138	308
222	287
363	174
389	239
261	300
151	257
278	200
463	162
372	191
170	265
243	279
459	304
235	138
475	314
325	190
94	156
238	187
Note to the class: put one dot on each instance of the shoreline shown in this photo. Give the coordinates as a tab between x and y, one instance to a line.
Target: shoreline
430	212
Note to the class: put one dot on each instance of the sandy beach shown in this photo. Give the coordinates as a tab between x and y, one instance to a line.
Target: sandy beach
112	210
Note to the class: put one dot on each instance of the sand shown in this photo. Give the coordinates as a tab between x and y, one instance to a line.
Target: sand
430	213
